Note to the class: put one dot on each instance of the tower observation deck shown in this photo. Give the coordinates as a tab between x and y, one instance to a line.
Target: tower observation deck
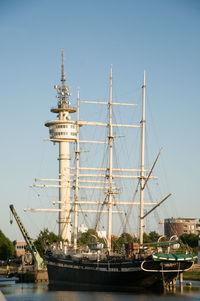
63	131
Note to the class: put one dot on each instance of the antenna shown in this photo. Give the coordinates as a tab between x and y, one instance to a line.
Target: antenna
63	79
63	93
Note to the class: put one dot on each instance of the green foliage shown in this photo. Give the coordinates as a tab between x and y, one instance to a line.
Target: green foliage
191	275
89	236
190	239
146	238
181	249
45	237
113	242
153	236
7	249
117	244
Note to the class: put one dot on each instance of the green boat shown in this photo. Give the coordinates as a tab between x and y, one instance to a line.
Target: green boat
174	257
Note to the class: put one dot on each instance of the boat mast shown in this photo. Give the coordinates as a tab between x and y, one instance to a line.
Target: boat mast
142	164
65	131
110	142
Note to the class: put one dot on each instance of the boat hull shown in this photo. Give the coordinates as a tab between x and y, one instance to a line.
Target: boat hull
139	276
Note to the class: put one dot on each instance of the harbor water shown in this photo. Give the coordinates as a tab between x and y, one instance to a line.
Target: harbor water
39	292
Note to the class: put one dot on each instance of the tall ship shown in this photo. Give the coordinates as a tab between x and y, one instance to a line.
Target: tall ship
99	265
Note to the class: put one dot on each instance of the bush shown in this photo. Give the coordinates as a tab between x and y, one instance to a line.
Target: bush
7	249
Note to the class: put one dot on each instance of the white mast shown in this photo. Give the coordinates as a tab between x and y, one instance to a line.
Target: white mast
142	179
110	141
63	131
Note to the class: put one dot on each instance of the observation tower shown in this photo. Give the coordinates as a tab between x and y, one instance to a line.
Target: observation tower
63	131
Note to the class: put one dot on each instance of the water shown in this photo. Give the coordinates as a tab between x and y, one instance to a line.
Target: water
40	292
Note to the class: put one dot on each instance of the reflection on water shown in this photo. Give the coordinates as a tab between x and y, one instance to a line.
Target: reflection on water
40	292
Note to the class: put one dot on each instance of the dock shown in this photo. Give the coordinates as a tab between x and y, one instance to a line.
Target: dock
33	276
25	275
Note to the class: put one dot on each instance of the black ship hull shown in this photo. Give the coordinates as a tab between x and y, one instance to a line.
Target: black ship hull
106	276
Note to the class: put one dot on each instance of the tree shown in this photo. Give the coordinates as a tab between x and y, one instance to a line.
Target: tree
190	239
45	237
146	238
123	239
113	241
89	236
7	249
153	235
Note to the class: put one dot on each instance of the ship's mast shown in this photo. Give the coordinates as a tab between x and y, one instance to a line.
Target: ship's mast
142	179
64	131
110	141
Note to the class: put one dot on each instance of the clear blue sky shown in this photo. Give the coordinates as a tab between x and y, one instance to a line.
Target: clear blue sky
162	37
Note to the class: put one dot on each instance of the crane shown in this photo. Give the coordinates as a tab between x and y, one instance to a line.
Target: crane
39	263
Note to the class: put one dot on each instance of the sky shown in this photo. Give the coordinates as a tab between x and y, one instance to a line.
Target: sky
161	37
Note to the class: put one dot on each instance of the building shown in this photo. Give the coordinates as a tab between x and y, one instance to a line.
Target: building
179	226
82	229
102	234
20	247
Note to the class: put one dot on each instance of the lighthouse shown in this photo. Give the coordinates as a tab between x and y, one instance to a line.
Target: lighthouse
63	131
